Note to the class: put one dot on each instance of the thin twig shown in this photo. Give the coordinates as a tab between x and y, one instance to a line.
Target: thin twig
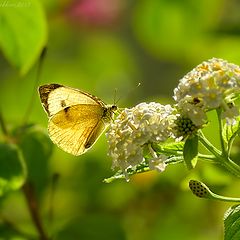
221	132
2	124
34	211
38	74
54	183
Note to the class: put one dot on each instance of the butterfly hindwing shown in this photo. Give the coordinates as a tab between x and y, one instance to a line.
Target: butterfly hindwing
74	130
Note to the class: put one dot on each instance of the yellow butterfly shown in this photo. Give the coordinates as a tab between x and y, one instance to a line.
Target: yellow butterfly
76	118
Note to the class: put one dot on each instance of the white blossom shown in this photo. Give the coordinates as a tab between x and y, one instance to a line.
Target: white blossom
210	85
135	128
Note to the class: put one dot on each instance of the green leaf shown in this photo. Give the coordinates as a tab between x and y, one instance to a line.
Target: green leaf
8	232
175	146
232	223
190	152
23	32
169	148
230	130
12	168
37	149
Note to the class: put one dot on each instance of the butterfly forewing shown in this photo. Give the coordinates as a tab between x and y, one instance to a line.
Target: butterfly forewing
56	97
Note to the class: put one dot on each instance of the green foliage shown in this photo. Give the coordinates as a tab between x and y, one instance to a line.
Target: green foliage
232	223
7	232
169	147
230	131
37	149
13	169
166	28
190	152
169	37
23	32
93	227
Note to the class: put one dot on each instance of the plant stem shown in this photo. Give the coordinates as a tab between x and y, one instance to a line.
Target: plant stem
223	160
207	157
225	199
232	138
224	152
209	145
31	103
53	187
33	208
2	124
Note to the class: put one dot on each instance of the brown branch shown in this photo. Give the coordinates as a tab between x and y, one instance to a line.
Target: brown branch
2	124
33	208
54	182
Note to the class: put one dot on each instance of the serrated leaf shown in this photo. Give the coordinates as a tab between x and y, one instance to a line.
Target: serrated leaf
176	146
169	147
229	131
37	149
190	152
12	168
23	32
232	223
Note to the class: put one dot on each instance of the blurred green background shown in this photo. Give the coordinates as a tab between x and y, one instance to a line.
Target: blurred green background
100	46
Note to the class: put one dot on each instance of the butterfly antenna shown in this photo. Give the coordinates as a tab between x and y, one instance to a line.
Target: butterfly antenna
115	95
37	80
128	93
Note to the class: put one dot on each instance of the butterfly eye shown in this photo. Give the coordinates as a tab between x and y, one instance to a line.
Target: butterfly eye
114	108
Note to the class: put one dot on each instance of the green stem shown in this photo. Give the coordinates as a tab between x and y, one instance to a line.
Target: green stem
123	176
224	152
225	199
209	145
223	160
232	138
201	190
207	157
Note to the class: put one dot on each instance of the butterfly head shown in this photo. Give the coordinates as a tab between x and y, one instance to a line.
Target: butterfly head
108	112
113	108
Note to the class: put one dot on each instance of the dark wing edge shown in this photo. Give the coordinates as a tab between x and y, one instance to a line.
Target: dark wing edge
44	92
96	132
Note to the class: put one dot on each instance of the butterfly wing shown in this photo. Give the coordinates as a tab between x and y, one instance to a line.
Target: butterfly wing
76	118
76	128
56	97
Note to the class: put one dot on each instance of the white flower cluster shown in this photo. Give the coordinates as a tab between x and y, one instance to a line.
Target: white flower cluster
210	85
135	128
